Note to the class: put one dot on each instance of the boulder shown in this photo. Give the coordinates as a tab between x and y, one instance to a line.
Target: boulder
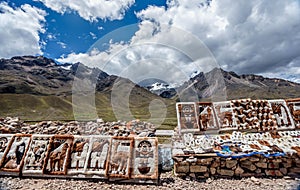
261	165
213	171
273	165
238	171
225	172
231	163
248	165
198	169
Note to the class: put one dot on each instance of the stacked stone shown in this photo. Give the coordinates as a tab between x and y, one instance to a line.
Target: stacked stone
256	165
11	125
99	127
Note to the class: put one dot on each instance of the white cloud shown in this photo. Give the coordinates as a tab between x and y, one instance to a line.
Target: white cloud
245	36
20	28
62	44
91	10
157	57
51	36
93	35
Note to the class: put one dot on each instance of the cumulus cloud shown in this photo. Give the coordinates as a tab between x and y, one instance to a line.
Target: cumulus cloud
245	36
146	56
91	10
20	28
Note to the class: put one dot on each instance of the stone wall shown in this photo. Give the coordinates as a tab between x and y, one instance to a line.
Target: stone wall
237	138
257	165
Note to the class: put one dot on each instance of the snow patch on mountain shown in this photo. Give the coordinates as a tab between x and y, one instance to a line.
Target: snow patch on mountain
195	73
159	86
68	67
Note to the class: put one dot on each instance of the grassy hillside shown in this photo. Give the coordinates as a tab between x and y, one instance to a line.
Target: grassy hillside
36	88
36	107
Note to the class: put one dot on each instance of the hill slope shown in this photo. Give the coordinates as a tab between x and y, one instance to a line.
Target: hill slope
219	85
37	88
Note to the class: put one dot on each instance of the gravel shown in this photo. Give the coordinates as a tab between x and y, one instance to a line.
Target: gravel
167	181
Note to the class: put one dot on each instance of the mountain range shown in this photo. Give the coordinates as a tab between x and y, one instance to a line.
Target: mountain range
38	88
233	86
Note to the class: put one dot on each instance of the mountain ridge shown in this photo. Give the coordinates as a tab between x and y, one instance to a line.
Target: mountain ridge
38	88
273	87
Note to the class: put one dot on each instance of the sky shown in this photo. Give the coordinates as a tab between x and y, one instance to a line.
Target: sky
164	39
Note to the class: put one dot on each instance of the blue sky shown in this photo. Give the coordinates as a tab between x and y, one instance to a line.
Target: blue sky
68	32
256	37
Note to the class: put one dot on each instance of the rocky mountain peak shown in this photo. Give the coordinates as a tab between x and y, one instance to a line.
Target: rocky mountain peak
33	61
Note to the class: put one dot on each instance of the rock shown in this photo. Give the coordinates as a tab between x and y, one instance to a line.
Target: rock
191	159
205	161
261	165
180	174
5	130
100	120
283	171
244	159
246	174
182	169
177	159
287	164
209	180
253	159
258	171
254	179
52	129
42	123
213	171
248	165
215	164
206	175
45	131
192	175
277	160
11	125
294	170
222	163
198	169
278	173
225	172
11	128
297	161
61	128
231	163
26	128
273	165
238	171
270	172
